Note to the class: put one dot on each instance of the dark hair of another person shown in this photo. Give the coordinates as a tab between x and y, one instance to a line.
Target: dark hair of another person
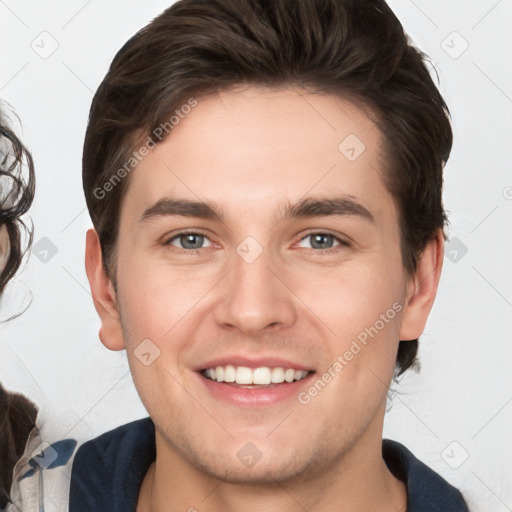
17	193
354	49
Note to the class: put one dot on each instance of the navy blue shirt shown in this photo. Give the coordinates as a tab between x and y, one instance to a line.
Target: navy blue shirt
108	471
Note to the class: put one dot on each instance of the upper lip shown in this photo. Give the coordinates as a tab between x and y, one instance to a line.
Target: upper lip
252	362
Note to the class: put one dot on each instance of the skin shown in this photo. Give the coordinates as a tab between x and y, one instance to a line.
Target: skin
5	247
250	150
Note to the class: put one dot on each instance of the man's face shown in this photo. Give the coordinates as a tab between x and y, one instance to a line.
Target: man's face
260	289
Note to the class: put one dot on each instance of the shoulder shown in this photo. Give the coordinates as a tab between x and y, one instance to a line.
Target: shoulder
426	490
108	470
105	450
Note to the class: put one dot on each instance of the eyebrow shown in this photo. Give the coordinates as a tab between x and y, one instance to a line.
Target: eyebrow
305	208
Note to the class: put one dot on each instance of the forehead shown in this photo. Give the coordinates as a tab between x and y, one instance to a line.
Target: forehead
253	149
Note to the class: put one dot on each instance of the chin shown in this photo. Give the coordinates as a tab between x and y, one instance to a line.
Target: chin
246	464
261	474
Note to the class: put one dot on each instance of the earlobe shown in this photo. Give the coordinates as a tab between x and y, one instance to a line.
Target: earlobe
422	289
103	294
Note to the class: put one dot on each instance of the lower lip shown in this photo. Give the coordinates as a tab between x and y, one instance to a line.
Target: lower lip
254	397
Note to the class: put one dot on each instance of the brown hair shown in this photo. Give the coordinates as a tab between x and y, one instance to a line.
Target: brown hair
17	189
355	49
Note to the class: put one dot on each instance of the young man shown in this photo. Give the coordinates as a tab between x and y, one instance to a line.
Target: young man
265	183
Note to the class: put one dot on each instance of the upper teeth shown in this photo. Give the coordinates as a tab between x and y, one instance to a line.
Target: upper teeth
262	375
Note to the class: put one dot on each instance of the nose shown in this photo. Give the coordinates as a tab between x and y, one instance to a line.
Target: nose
254	297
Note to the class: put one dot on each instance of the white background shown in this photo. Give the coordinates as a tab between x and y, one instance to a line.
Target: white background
462	395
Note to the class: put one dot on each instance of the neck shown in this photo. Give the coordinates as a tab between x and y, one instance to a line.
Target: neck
358	480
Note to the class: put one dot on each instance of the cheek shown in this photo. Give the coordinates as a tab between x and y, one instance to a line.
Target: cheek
353	297
155	298
360	309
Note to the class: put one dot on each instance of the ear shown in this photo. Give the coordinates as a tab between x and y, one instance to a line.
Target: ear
422	289
103	294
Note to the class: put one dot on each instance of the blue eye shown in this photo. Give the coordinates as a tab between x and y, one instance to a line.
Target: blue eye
188	240
324	242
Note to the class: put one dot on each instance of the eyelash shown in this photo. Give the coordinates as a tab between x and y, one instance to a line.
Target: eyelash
342	243
183	233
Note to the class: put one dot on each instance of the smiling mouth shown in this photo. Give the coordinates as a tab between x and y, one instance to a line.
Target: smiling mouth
242	376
